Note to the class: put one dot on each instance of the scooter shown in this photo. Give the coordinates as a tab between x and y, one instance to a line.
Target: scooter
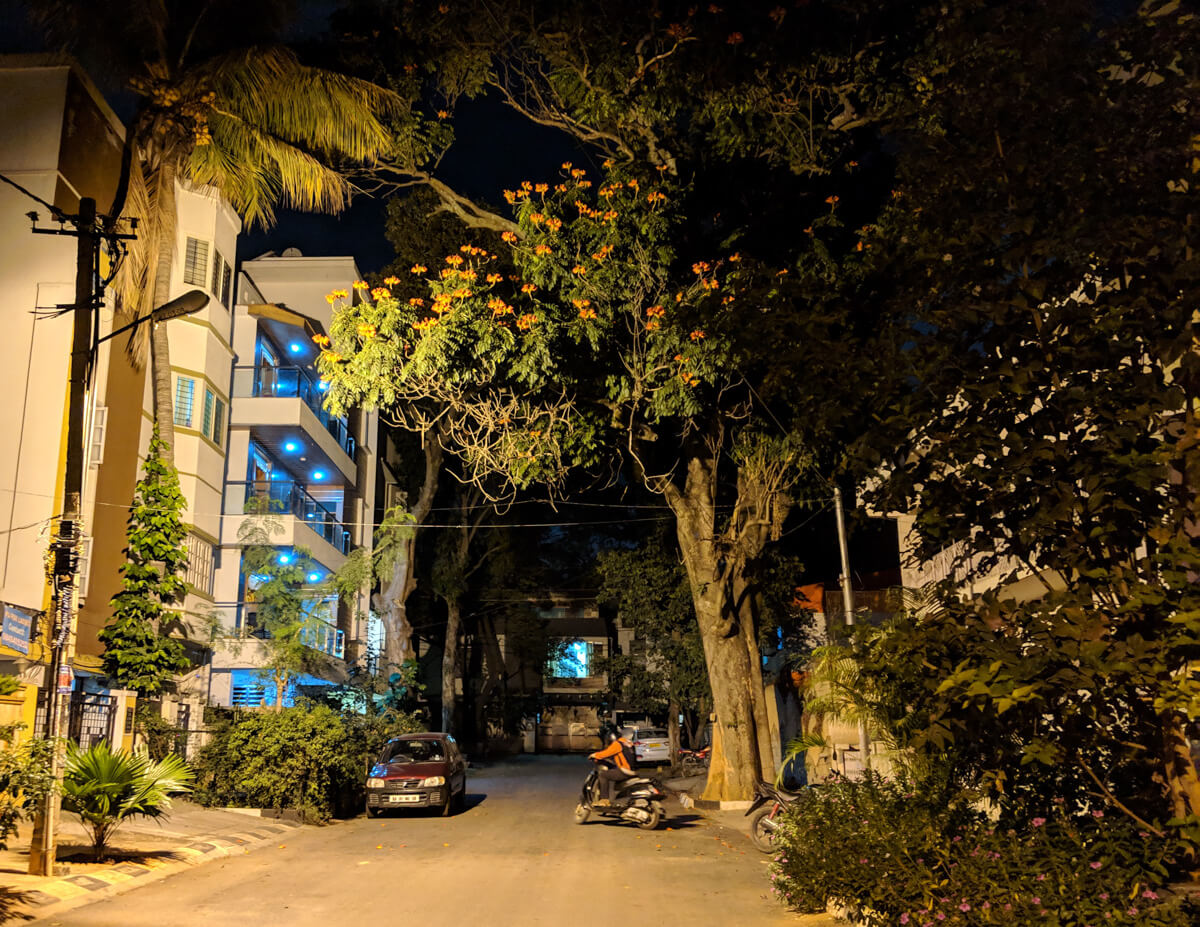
638	800
694	762
765	813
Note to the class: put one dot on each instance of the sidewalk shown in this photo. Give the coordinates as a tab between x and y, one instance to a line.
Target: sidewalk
142	849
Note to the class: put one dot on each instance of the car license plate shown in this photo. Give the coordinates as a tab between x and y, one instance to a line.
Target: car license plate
402	799
653	746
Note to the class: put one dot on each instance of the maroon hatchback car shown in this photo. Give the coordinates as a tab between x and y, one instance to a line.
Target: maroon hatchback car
418	771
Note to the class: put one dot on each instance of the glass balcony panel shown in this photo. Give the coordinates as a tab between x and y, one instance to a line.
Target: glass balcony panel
287	497
292	383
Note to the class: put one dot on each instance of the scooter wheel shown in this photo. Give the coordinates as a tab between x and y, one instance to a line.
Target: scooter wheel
651	822
581	814
762	830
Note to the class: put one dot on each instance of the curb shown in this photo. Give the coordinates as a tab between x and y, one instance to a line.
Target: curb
701	804
69	892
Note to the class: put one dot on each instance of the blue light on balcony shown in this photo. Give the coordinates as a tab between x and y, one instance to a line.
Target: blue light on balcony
318	474
284	558
291	446
295	347
314	577
323	385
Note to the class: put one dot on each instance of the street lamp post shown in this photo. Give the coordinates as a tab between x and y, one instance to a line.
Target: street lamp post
65	559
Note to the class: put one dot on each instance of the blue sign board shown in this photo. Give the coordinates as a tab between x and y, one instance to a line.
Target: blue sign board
18	629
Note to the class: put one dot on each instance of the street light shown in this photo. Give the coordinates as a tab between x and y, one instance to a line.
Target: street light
190	302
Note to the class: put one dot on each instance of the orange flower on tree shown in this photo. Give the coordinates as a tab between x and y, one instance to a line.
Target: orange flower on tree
578	172
448	272
633	184
526	321
529	288
581	303
361	285
735	38
494	278
553	224
499	307
566	165
391	281
832	200
442	114
418	269
542	250
541	188
697	335
610	215
416	301
510	237
536	218
453	260
579	270
341	294
734	258
655	312
587	312
330	298
652	325
656	196
701	267
321	339
366	330
380	292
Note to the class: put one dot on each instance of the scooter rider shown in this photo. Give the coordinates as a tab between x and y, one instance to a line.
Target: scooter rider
620	752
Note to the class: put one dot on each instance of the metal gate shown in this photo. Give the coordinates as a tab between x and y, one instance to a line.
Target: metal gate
183	721
91	719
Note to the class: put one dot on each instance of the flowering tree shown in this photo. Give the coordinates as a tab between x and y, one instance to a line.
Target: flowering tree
604	346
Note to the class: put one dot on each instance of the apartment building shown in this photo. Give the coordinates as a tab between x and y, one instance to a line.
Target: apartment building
315	472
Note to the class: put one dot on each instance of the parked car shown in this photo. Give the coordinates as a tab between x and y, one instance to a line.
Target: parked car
418	771
650	744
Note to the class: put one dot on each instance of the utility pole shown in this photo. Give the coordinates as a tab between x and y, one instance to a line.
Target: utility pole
65	547
864	743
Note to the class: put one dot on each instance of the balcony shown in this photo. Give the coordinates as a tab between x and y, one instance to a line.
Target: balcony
287	497
292	382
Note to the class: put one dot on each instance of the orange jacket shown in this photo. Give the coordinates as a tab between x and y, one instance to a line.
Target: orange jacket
614	751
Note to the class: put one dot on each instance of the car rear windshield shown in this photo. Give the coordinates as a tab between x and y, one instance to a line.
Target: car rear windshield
414	751
653	733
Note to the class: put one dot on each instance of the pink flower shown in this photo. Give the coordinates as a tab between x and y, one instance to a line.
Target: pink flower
1104	896
964	907
1041	877
1038	822
1096	865
1097	814
903	918
1036	900
1152	895
1132	912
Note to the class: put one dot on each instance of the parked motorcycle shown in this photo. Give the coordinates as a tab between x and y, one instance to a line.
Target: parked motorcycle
694	762
765	813
638	800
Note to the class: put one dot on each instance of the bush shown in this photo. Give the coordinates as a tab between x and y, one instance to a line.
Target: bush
24	778
310	759
890	857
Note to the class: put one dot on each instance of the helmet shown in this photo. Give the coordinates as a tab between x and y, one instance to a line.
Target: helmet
613	735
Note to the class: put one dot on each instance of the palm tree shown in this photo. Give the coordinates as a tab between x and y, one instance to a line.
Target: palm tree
219	106
105	787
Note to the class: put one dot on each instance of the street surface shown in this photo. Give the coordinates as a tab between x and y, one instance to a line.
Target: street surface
514	857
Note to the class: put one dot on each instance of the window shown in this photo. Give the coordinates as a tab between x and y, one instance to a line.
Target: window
212	423
195	263
83	567
99	426
199	573
573	660
222	278
185	388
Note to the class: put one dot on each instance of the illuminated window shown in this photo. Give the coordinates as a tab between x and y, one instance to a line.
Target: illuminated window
573	660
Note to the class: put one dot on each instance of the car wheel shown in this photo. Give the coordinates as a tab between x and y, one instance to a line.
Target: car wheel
460	800
448	804
372	812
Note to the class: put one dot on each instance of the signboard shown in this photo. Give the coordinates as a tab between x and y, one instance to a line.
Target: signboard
18	629
66	678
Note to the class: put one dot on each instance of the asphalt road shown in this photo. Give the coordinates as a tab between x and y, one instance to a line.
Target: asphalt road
514	857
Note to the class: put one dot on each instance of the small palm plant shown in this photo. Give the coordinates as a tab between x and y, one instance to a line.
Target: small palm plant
105	787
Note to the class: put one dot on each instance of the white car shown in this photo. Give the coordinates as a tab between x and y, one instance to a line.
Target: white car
650	744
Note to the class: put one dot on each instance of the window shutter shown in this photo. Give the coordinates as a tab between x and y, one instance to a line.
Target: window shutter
195	263
226	285
84	566
99	426
207	420
216	273
184	390
218	432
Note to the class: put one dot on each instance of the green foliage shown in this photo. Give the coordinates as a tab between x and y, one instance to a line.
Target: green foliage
136	654
288	610
105	788
312	758
159	735
892	857
651	592
9	685
24	778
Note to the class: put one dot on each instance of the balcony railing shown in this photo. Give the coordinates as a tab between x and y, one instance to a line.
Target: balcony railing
287	497
317	634
292	383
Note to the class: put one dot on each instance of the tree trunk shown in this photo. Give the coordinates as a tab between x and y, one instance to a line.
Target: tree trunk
450	661
391	602
1182	779
280	689
160	348
715	571
673	730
